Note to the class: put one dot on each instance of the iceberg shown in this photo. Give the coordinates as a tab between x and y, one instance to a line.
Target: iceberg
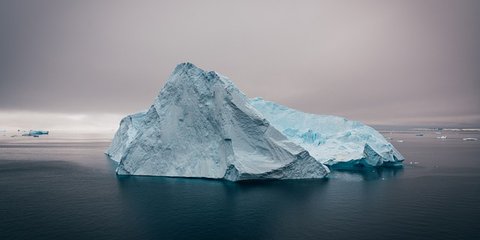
35	133
202	126
331	140
38	132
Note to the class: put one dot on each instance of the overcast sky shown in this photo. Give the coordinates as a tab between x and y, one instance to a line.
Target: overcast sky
381	62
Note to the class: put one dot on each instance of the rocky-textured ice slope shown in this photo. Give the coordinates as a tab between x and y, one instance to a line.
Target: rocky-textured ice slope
334	141
201	125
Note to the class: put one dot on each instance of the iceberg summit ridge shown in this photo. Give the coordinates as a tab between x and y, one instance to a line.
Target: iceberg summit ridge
202	126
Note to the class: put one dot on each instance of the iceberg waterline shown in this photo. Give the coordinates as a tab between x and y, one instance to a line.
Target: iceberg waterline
201	125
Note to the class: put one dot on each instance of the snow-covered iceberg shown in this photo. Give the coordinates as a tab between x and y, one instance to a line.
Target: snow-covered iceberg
334	141
201	125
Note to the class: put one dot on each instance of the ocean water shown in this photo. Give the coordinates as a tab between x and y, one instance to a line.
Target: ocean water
64	187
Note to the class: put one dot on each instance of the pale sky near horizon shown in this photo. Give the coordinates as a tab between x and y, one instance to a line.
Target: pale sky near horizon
85	64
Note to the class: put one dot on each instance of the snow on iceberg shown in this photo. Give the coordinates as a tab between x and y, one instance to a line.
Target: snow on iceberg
201	125
334	141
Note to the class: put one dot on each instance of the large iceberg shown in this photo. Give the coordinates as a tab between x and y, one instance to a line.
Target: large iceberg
201	125
334	141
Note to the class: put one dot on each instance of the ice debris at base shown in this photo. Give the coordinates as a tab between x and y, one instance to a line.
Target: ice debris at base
334	141
201	125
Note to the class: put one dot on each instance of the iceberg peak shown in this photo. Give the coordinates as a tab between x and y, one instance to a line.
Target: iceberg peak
185	65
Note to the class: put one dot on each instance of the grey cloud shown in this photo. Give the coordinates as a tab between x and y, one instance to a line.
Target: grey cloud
378	61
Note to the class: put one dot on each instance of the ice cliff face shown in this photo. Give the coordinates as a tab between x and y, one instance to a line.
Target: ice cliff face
334	141
201	125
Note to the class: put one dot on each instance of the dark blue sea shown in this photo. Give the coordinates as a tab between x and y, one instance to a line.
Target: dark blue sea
62	186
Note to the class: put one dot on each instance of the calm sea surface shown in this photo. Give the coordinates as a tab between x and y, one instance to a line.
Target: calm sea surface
63	187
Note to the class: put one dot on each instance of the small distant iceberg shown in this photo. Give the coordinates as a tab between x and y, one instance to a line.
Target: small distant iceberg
470	139
442	137
35	133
